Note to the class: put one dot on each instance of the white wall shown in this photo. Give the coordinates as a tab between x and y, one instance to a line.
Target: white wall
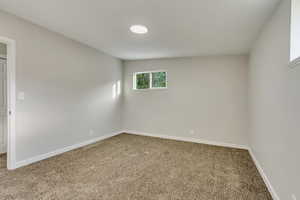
2	49
274	144
68	89
205	94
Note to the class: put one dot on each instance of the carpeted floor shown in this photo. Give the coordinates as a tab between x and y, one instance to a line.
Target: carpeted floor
129	167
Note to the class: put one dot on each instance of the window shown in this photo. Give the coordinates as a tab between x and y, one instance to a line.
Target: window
295	32
150	80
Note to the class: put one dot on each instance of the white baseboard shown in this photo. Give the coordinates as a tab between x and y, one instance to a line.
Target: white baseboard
63	150
264	176
187	139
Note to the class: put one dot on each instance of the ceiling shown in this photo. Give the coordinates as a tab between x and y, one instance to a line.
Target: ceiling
177	28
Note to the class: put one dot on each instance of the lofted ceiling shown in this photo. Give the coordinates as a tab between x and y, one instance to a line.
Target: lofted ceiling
177	28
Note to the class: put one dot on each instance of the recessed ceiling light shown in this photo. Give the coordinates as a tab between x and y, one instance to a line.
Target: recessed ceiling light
139	29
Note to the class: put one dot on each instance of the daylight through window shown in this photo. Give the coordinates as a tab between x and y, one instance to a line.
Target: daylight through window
150	80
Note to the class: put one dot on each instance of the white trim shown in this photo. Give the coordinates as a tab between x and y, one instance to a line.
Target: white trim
63	150
187	139
264	176
11	101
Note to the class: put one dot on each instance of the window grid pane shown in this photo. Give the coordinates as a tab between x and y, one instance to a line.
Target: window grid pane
143	81
159	79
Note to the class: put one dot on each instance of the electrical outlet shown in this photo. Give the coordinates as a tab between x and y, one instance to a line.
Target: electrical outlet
294	197
92	132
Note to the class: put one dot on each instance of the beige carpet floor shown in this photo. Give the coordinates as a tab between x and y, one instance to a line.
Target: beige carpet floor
129	167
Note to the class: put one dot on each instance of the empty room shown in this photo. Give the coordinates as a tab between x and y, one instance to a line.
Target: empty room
150	100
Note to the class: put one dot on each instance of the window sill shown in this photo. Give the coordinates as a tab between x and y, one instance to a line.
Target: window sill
295	63
150	89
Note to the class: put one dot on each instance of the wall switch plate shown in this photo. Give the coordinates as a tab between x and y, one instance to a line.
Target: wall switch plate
294	197
21	96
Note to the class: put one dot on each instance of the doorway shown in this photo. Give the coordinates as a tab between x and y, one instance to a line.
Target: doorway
7	102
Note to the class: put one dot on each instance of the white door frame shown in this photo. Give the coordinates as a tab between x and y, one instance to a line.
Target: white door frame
11	101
